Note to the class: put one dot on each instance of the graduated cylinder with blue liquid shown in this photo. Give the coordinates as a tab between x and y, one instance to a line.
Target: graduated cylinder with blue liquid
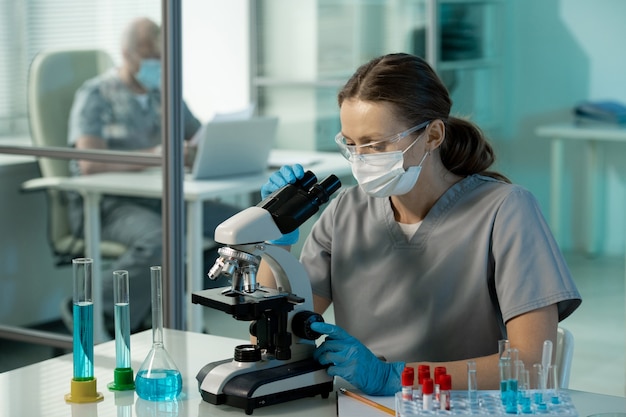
158	379
83	384
123	373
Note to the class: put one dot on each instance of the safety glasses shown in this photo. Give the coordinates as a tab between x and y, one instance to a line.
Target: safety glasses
350	151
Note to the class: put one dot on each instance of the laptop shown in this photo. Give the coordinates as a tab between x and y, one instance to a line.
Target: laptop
233	147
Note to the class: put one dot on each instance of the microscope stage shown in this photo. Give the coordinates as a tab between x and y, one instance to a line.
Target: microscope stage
245	307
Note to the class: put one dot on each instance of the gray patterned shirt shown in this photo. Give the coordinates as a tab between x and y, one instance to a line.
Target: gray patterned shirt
105	107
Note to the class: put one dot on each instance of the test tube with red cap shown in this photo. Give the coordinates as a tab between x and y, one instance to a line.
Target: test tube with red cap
423	372
428	387
445	385
439	370
408	379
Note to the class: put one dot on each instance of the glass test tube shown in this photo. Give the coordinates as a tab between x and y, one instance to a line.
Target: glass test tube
123	373
536	377
546	359
514	377
122	319
538	384
472	384
524	383
83	319
552	384
504	366
518	369
514	356
503	347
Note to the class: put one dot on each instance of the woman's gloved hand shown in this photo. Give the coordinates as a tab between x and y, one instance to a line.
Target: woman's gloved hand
287	174
351	360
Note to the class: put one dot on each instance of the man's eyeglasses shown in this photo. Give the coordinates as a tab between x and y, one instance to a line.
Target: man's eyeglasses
349	150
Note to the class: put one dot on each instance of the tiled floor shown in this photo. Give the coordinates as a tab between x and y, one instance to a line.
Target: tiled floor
599	328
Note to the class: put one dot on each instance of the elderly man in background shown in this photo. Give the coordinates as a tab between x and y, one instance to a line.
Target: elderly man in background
121	110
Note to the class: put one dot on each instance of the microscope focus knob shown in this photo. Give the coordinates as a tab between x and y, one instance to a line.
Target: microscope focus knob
252	328
301	324
247	353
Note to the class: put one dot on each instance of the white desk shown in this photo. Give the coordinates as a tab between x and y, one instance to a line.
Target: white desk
39	389
592	136
149	183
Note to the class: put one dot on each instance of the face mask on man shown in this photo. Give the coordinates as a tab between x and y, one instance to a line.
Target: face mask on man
149	74
383	174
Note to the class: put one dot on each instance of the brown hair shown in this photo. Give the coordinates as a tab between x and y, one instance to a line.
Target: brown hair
414	89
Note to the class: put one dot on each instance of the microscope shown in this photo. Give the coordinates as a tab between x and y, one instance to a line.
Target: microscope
280	366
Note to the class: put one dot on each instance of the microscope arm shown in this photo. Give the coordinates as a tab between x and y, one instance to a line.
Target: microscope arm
289	274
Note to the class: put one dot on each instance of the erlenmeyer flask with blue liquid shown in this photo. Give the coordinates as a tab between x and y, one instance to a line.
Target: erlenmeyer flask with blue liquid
158	379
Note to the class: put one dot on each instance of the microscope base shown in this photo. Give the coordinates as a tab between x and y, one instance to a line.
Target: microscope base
294	380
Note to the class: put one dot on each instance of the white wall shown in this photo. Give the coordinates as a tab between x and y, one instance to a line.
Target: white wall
215	56
561	52
599	29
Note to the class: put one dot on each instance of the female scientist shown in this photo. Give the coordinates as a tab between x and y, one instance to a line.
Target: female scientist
433	258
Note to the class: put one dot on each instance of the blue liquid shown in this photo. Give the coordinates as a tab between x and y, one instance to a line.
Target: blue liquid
538	398
526	407
83	341
503	387
122	335
509	396
158	384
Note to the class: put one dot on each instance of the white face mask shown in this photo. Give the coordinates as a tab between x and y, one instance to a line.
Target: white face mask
383	175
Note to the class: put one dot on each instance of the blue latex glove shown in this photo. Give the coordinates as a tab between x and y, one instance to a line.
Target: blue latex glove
351	360
287	174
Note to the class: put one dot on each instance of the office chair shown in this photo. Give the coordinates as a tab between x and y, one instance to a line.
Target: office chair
564	355
54	77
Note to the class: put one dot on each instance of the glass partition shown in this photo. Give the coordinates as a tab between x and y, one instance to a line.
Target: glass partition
48	51
82	42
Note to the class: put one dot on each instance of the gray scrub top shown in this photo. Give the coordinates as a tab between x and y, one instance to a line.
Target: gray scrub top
483	255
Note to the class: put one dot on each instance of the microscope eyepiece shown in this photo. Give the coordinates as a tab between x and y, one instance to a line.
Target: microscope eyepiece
308	179
295	203
325	188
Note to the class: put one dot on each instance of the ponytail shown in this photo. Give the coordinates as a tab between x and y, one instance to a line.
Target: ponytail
465	151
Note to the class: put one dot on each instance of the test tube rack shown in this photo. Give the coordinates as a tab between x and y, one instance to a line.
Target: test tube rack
489	404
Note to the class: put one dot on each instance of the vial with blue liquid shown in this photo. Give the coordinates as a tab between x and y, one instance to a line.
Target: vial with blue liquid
123	373
83	384
158	379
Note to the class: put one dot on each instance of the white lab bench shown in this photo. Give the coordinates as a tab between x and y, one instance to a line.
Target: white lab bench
39	389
